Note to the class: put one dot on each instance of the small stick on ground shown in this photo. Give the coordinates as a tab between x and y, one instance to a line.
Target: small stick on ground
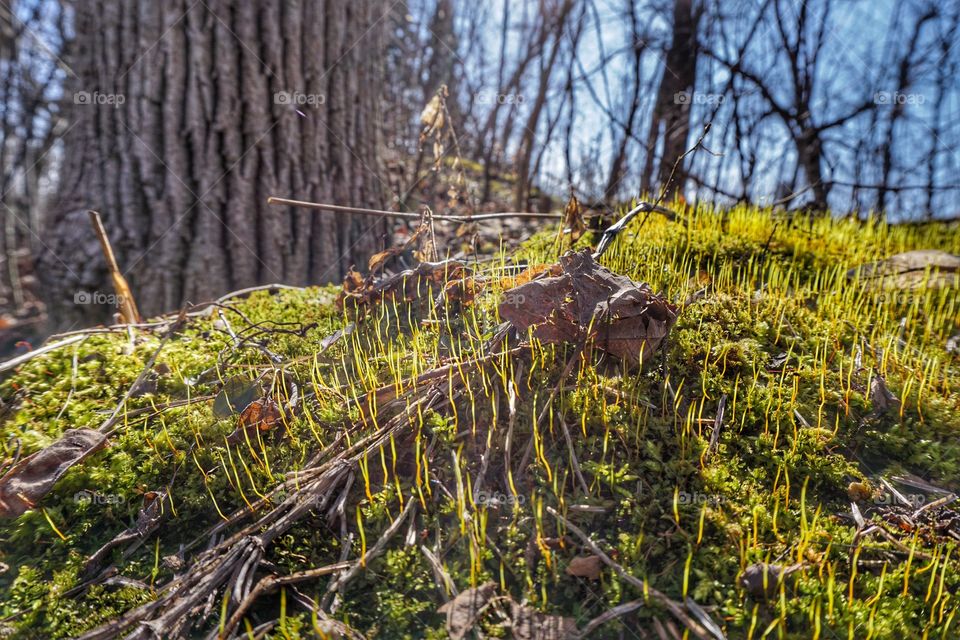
610	614
573	458
125	301
717	425
272	582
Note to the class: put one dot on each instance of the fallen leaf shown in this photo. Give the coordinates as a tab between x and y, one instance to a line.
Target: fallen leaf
411	285
377	260
589	567
881	397
464	610
28	481
260	415
762	579
621	317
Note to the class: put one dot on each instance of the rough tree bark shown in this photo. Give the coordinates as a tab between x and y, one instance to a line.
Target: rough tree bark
224	103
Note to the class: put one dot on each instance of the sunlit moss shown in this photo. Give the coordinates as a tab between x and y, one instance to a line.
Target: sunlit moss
777	329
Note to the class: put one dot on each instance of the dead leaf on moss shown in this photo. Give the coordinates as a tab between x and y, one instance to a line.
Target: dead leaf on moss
464	610
411	285
236	394
589	567
588	301
881	397
260	415
377	260
27	482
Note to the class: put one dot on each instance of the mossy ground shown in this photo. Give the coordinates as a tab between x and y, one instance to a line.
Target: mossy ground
779	332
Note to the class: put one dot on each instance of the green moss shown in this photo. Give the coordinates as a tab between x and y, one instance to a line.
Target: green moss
779	332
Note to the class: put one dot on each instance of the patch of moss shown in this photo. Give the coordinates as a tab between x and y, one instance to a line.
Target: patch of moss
773	329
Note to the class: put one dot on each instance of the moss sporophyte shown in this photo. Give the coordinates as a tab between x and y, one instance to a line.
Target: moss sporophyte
780	465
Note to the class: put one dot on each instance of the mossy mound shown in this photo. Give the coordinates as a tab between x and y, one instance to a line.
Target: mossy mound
772	329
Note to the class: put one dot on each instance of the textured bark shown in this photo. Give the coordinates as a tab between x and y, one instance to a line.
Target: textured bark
182	169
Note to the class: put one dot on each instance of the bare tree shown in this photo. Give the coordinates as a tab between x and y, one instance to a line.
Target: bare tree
556	26
32	39
671	117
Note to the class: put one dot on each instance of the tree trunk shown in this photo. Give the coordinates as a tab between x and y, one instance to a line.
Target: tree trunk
671	118
186	118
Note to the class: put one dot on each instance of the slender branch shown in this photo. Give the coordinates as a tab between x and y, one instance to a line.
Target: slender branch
409	215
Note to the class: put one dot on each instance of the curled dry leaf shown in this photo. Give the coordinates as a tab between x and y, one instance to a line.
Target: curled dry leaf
464	610
28	481
431	118
588	301
573	223
260	415
379	259
419	284
589	567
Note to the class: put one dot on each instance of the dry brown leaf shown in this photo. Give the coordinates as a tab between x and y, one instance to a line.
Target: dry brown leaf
589	567
464	610
881	397
377	260
573	219
27	482
432	116
588	301
409	286
260	415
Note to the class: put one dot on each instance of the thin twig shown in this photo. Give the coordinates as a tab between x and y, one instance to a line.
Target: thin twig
410	215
